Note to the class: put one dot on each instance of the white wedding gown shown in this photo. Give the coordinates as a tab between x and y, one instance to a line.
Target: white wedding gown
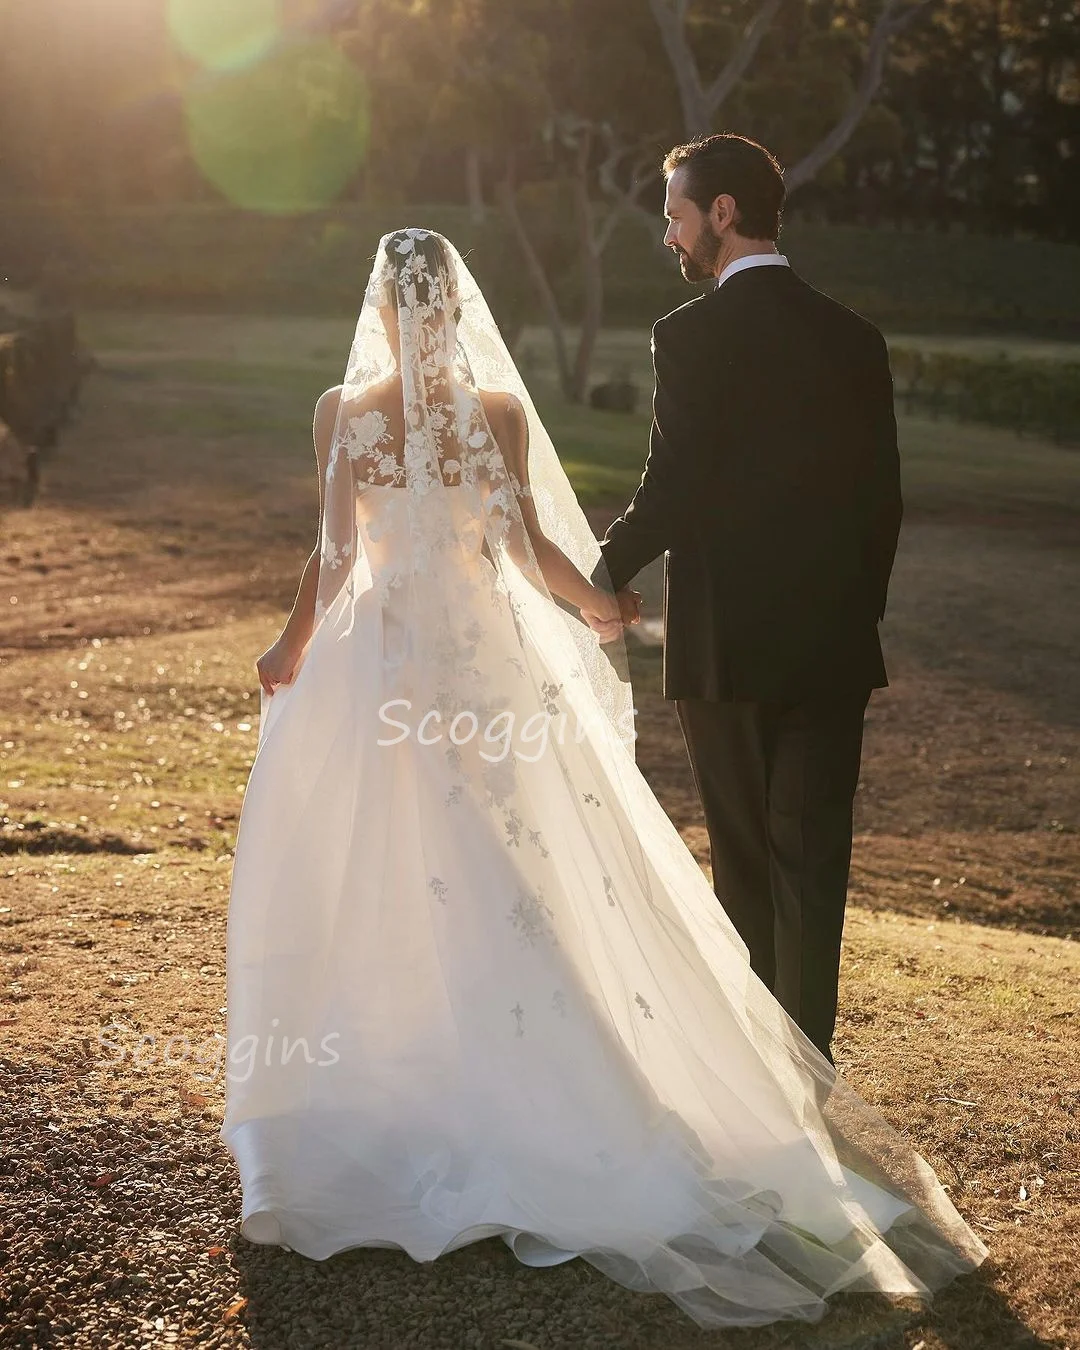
515	1007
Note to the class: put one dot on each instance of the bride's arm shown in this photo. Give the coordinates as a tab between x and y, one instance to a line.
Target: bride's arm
278	663
510	428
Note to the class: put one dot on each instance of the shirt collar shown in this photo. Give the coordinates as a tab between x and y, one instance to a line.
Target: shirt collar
752	260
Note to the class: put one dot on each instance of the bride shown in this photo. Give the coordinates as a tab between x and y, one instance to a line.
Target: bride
477	984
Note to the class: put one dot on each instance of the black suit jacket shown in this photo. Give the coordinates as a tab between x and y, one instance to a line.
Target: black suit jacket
773	484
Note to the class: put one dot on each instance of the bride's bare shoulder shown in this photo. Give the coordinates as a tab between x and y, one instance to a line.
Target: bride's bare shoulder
327	402
385	396
326	411
503	410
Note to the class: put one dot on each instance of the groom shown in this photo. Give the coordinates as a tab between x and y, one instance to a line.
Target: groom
773	485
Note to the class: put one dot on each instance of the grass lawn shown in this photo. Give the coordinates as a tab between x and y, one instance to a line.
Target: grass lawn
161	558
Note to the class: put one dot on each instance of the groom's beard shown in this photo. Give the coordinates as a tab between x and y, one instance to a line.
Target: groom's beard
700	263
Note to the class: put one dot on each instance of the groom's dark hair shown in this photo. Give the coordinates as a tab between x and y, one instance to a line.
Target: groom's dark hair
736	166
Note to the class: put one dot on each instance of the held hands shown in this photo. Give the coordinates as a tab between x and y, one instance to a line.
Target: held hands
607	614
278	665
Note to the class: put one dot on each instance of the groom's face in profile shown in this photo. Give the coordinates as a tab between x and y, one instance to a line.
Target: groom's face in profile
690	233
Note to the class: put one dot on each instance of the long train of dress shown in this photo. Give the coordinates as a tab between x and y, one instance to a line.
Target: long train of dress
470	997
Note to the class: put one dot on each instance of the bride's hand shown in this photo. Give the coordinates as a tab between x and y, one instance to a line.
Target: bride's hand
603	606
603	615
277	665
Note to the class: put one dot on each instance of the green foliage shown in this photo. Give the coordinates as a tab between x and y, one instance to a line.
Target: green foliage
1025	395
113	103
210	258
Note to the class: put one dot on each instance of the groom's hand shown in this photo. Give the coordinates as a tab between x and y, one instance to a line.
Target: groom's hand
629	605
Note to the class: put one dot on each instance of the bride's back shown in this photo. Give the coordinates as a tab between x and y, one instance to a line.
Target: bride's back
375	431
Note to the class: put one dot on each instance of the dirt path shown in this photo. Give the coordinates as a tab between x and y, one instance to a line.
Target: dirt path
156	566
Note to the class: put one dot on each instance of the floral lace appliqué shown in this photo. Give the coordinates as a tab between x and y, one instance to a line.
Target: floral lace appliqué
531	916
366	433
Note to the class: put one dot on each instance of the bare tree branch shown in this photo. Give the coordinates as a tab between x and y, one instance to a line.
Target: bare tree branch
894	17
508	200
672	25
700	105
625	199
739	61
591	271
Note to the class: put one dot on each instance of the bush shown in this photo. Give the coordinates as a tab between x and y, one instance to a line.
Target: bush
1026	395
217	257
39	374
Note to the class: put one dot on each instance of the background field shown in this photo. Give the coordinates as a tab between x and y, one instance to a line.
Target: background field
211	257
137	592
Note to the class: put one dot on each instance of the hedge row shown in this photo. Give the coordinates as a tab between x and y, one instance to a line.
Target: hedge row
1023	394
217	258
40	373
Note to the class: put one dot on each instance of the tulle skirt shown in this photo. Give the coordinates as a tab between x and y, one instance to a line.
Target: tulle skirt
472	997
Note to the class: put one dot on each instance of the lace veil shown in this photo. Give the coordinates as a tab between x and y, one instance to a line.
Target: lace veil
428	375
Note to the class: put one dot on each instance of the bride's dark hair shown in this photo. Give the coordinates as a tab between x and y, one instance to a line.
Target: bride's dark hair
438	266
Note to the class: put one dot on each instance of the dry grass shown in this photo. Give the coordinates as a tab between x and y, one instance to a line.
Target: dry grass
158	563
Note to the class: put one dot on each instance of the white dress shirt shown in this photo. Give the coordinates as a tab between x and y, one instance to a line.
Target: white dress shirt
752	260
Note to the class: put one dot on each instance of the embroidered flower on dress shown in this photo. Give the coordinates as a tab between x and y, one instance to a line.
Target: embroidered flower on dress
549	692
500	780
530	915
513	824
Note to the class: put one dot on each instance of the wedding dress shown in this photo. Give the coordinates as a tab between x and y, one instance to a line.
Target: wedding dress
477	984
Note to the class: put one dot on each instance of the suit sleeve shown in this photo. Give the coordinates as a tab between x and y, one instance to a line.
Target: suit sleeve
651	522
882	502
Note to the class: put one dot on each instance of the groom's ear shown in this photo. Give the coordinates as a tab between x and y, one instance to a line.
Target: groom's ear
725	212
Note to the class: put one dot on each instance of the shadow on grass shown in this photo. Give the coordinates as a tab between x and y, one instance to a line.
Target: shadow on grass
35	836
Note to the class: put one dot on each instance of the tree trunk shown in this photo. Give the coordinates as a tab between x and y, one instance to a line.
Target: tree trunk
701	103
592	278
474	186
544	292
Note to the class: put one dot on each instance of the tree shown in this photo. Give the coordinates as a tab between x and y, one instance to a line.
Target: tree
593	153
702	102
579	140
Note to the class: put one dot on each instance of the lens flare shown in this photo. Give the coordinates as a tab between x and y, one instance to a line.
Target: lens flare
224	34
285	134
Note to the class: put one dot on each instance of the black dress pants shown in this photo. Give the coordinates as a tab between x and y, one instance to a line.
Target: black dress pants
777	782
